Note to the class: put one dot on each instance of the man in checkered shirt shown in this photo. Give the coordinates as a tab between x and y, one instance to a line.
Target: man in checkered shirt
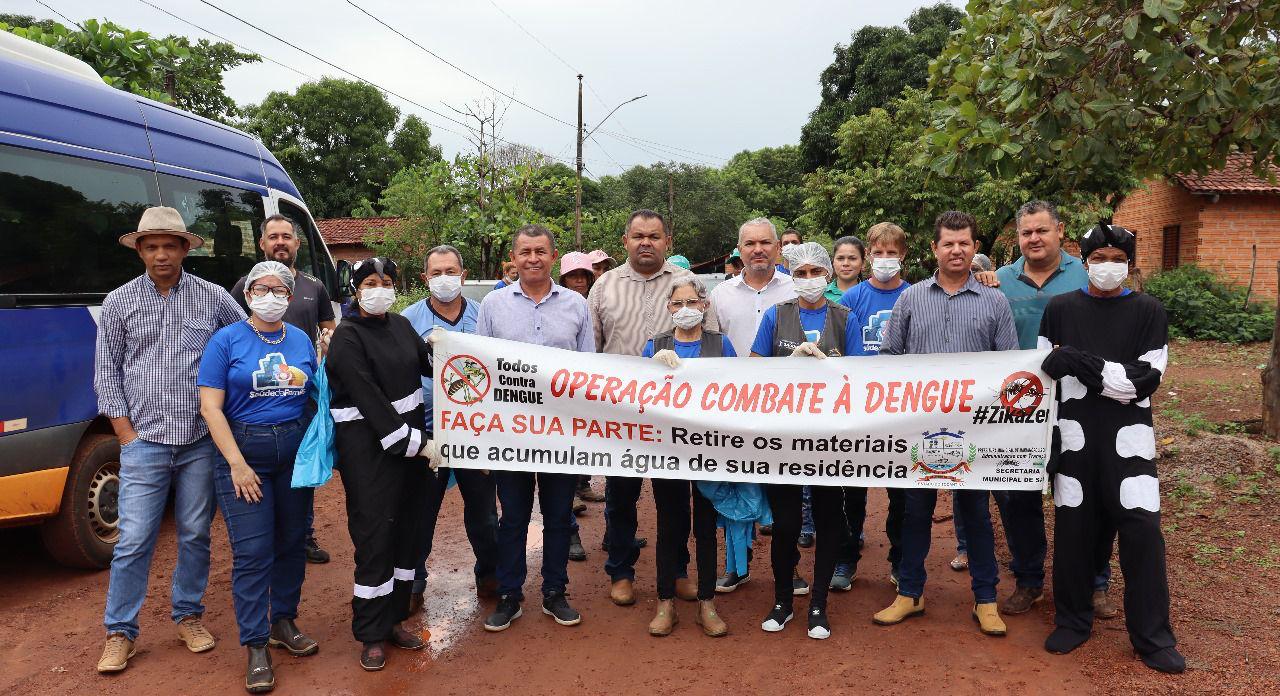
151	335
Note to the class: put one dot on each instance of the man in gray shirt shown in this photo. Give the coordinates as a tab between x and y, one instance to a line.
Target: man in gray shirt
949	313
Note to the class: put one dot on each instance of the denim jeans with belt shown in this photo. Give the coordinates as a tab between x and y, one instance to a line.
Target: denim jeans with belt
147	471
268	561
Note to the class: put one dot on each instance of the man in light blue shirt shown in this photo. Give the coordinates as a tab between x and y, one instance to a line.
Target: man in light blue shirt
448	310
535	310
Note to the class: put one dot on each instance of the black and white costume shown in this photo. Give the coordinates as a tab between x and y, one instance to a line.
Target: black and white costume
1111	355
375	367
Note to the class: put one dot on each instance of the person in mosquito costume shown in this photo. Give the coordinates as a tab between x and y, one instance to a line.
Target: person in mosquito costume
1110	351
375	367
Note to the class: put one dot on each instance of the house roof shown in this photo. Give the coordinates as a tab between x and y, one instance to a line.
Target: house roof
338	231
1236	177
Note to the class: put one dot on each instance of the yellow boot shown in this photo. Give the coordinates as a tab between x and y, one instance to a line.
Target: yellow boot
988	618
902	608
665	620
710	621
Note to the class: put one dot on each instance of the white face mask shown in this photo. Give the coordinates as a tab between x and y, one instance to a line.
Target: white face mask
377	300
687	317
1109	275
810	289
269	308
445	288
885	269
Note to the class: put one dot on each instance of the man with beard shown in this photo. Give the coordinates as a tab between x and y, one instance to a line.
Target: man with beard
309	309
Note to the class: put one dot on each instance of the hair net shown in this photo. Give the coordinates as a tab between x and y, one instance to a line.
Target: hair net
1105	235
984	262
807	254
679	260
269	268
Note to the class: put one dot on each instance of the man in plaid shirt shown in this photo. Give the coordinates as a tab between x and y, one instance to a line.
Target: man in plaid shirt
151	335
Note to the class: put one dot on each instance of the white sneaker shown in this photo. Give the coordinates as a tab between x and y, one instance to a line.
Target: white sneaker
777	618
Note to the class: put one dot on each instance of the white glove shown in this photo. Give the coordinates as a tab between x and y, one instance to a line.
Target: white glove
431	454
434	337
668	358
808	348
322	342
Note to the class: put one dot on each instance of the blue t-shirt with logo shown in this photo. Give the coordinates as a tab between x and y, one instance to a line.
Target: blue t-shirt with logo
869	310
423	317
265	384
811	320
692	349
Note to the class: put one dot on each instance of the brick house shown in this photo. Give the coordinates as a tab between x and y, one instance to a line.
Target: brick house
1213	220
345	236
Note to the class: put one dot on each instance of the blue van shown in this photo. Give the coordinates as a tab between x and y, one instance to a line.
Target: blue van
79	161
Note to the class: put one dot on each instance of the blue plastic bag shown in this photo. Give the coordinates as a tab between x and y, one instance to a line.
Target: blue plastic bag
314	464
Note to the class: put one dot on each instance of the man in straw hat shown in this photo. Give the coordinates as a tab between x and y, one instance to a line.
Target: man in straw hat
151	334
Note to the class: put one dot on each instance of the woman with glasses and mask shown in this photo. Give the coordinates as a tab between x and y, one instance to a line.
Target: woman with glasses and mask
254	378
375	367
687	305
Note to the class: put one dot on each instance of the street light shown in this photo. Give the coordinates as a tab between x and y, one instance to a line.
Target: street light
577	207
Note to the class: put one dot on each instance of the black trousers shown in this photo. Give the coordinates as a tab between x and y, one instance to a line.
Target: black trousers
1095	492
671	498
828	517
386	498
479	519
855	515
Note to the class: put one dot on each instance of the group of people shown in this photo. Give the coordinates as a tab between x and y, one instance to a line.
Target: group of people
213	401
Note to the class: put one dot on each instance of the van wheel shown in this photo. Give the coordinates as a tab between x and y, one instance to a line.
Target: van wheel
84	533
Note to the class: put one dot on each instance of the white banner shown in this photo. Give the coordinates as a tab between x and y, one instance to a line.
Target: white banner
962	420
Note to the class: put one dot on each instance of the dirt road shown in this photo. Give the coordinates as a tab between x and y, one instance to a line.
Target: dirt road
51	633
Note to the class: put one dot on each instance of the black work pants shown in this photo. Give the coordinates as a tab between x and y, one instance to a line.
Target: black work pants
671	498
785	501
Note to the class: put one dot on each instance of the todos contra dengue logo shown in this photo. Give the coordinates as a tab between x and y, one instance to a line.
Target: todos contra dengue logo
465	380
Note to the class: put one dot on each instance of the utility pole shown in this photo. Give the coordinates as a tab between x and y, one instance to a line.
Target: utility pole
577	206
671	205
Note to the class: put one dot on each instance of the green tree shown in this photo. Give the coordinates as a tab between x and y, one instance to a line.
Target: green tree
23	21
769	180
870	71
130	60
334	137
876	178
707	211
469	203
198	85
412	143
1094	97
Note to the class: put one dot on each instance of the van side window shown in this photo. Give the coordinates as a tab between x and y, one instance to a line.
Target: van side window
60	221
228	219
317	264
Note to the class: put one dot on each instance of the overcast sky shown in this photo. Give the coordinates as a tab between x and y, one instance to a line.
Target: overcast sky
721	77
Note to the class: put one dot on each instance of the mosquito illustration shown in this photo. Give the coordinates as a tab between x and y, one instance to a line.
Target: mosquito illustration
471	374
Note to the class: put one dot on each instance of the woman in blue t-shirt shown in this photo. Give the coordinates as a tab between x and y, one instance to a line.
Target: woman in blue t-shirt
687	304
253	380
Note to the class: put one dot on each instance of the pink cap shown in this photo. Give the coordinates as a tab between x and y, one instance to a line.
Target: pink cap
599	255
574	261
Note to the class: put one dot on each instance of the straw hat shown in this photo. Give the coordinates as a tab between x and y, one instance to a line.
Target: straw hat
161	220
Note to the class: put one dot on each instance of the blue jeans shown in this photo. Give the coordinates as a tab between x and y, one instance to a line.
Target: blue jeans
147	471
479	519
806	512
916	536
958	522
555	500
268	561
621	495
1023	515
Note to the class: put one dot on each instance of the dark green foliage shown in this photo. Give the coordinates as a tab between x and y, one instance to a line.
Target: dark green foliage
1201	306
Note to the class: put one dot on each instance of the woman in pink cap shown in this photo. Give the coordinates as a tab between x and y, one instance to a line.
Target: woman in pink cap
576	272
600	262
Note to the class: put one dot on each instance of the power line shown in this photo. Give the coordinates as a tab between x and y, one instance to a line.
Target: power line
64	17
223	38
355	76
449	63
536	39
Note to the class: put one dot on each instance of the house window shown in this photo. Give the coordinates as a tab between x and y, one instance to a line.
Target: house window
1171	247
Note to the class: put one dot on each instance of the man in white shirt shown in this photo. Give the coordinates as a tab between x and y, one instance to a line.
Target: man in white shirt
740	302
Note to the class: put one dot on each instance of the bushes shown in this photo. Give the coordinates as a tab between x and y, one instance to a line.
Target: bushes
1201	306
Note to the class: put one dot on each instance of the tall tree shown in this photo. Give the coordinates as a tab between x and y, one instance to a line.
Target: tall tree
198	85
770	181
1108	93
412	143
870	71
334	138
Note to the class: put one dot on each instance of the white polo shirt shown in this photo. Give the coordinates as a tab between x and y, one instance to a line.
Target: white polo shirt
739	307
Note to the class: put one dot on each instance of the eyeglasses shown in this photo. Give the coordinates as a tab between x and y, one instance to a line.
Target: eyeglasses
262	290
677	304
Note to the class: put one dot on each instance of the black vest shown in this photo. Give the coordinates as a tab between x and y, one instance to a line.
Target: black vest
712	343
788	333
